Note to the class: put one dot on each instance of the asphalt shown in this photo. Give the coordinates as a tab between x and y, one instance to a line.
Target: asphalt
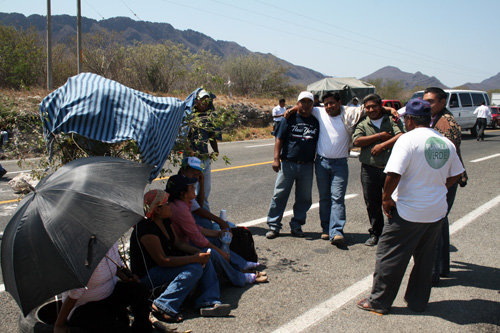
313	285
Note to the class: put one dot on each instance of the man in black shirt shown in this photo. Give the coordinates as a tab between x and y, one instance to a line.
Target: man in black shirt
294	153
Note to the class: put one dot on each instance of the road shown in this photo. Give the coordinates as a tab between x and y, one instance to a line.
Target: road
313	285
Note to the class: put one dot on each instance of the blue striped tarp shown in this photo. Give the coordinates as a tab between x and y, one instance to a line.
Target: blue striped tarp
105	110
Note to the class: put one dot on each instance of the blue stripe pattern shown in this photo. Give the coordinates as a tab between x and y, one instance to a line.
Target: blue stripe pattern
105	110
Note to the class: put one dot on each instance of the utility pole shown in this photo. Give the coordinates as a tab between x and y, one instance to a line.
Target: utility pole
79	34
49	47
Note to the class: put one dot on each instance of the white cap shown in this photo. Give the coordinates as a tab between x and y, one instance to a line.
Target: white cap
305	94
202	93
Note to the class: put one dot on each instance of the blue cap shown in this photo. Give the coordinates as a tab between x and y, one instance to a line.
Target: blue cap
417	107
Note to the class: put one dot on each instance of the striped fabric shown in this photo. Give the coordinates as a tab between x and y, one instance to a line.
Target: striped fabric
104	110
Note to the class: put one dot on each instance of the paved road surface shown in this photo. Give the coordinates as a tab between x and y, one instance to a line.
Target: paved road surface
313	285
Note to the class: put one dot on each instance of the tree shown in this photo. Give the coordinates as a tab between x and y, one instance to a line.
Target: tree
21	58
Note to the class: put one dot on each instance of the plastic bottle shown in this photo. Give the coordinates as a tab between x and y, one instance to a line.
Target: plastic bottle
226	240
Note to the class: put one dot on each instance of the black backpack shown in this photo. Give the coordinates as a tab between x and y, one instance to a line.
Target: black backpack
243	244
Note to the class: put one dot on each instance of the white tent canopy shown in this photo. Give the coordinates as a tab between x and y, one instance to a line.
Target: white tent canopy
347	87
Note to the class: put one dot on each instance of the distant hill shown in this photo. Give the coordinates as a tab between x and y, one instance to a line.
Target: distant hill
488	84
64	28
409	80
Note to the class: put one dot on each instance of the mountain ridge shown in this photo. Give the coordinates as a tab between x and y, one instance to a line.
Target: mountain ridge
64	27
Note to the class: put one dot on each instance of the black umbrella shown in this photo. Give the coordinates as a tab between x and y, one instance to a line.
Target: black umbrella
60	232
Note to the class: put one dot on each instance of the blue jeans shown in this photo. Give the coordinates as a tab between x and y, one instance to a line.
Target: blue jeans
302	175
207	175
208	224
181	280
232	269
332	176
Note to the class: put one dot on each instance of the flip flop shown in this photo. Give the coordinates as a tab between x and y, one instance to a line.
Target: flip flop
364	304
165	317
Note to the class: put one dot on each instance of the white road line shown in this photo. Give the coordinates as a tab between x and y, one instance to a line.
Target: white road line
2	287
287	213
323	310
267	144
484	158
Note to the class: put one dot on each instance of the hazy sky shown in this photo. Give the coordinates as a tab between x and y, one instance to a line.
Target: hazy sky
453	40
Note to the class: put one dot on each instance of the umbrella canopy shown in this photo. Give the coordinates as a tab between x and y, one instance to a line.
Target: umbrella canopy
347	87
61	231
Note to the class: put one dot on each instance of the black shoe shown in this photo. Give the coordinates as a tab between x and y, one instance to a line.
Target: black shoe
298	233
2	173
271	234
372	241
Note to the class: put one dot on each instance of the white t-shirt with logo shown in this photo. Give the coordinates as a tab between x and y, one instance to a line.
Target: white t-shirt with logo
424	159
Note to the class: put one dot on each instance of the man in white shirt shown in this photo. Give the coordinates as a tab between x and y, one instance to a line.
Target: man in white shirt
483	114
422	166
278	112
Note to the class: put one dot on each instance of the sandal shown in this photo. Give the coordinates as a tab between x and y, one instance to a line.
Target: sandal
165	317
261	277
364	304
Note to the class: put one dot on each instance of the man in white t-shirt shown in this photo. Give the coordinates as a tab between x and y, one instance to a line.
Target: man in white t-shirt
483	114
278	112
422	166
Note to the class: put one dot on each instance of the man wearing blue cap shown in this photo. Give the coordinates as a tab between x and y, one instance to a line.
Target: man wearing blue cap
422	166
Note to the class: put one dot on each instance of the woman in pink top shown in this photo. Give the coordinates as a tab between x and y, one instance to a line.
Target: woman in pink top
182	191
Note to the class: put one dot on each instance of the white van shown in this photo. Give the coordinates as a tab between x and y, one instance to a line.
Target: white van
462	104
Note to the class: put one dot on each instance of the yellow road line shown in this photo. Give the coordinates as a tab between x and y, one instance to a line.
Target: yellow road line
9	201
229	168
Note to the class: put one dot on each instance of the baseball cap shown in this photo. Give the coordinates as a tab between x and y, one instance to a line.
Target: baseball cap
192	162
305	94
202	93
178	183
417	107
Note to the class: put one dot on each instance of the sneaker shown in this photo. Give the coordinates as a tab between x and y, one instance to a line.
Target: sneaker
372	241
325	236
2	173
216	310
298	233
338	240
271	234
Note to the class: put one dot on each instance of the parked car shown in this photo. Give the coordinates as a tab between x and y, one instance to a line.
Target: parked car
495	116
462	103
393	103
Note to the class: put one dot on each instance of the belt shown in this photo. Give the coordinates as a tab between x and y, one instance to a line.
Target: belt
330	159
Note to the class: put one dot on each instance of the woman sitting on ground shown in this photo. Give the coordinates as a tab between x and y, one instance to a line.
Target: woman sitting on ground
102	305
159	257
182	190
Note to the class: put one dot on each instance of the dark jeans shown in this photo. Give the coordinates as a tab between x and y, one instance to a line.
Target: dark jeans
481	125
442	260
110	314
400	240
372	180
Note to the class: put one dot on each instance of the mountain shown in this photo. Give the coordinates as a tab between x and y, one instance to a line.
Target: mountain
64	28
488	84
409	80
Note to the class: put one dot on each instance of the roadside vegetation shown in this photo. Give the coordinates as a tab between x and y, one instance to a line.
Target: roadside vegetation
165	69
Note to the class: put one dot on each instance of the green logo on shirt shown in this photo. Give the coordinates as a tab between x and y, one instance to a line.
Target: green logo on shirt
436	152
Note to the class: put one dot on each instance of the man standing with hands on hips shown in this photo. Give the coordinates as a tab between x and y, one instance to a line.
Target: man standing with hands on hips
422	166
294	152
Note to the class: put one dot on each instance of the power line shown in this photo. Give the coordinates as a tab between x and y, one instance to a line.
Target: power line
397	47
309	38
95	10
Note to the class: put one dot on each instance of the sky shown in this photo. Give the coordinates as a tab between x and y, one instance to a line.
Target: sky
453	40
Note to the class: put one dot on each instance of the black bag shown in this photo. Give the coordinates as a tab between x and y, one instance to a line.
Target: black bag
243	244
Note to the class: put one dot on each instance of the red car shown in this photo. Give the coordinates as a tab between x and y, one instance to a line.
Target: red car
495	116
394	103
